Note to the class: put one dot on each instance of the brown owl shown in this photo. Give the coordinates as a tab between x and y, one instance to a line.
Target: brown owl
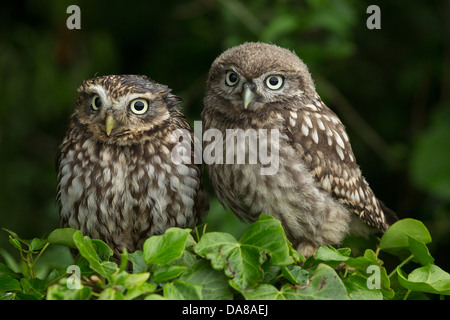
317	190
117	180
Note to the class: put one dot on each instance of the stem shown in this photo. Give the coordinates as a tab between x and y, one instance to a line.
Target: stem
377	252
30	265
401	265
40	253
407	294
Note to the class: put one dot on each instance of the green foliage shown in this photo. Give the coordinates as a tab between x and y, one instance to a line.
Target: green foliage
395	102
260	265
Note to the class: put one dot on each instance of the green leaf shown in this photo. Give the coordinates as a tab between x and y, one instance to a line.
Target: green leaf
62	236
144	289
34	287
182	290
137	259
7	271
296	275
361	268
325	284
162	249
111	294
16	243
242	260
7	283
164	273
430	278
268	235
420	251
37	244
397	236
62	292
104	252
154	297
135	284
263	292
214	283
357	289
87	249
12	233
135	280
332	254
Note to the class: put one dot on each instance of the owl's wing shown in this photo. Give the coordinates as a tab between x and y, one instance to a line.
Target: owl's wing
320	138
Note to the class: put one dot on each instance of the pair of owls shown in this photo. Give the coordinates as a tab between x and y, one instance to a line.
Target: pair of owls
117	180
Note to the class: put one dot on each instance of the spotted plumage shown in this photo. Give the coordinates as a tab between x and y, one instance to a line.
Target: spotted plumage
318	192
117	180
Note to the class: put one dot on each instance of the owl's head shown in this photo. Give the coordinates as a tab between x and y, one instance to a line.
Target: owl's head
256	75
122	107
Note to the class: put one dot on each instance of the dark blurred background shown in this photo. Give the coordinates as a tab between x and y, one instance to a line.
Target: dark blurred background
391	88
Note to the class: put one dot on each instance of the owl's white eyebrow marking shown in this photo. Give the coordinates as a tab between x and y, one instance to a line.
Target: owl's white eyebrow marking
100	91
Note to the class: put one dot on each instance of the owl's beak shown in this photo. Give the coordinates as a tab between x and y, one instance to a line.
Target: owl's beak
248	95
110	123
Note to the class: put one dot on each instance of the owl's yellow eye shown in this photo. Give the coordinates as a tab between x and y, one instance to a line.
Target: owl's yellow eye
96	102
139	106
231	78
274	82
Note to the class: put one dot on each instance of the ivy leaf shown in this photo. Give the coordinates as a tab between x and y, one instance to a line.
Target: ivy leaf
63	236
361	267
214	283
358	289
397	236
332	256
162	249
7	283
296	275
430	278
420	251
182	290
167	272
325	284
242	259
62	292
87	249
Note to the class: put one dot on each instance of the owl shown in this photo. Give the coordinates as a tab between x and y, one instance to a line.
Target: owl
117	178
317	190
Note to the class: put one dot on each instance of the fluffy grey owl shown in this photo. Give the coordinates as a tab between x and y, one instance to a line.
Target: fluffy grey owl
117	180
316	188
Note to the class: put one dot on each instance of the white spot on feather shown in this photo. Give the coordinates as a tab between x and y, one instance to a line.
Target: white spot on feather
315	136
320	124
338	139
308	121
305	130
340	153
291	121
